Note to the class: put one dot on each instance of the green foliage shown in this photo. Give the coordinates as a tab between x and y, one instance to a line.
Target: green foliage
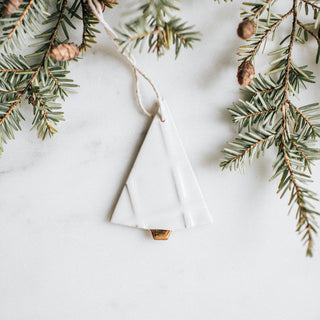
269	116
290	166
79	10
158	28
43	82
247	146
36	78
25	22
89	31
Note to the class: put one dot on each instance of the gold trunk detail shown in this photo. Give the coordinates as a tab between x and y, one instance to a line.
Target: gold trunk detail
159	234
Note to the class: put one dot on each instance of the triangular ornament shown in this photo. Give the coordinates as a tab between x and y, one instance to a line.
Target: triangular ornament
161	192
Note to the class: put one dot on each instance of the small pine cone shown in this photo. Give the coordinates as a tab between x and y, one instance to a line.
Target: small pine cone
246	73
88	8
64	52
246	29
10	6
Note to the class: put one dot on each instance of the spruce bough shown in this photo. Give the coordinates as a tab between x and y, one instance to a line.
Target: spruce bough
269	115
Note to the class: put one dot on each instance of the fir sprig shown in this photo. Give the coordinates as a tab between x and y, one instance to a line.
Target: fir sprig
25	22
39	79
89	22
34	83
161	32
270	117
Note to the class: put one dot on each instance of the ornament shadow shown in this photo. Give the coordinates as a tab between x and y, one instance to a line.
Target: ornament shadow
225	118
221	67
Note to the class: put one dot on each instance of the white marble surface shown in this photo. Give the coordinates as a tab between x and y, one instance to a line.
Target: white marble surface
61	259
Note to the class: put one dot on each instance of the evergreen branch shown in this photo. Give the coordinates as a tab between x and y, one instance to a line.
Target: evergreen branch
251	143
27	20
246	114
259	113
25	11
10	91
18	70
12	107
308	30
256	9
54	79
267	108
44	112
85	26
289	167
262	8
143	35
299	149
306	152
311	4
302	115
306	121
298	195
22	77
89	21
258	12
268	90
37	70
292	39
158	28
44	115
288	68
240	155
267	33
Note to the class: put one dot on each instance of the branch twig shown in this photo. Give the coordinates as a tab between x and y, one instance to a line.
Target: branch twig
262	8
273	27
37	70
308	30
311	4
25	11
247	150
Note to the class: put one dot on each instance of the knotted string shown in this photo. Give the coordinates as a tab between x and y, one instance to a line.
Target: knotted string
97	10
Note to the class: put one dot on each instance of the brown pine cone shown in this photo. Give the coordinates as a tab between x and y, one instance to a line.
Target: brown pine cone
10	6
246	29
88	9
246	73
64	52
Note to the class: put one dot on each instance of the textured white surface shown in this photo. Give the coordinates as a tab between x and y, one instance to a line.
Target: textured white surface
162	191
61	259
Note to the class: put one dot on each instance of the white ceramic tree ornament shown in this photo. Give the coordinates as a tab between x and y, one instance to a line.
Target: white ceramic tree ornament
161	193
